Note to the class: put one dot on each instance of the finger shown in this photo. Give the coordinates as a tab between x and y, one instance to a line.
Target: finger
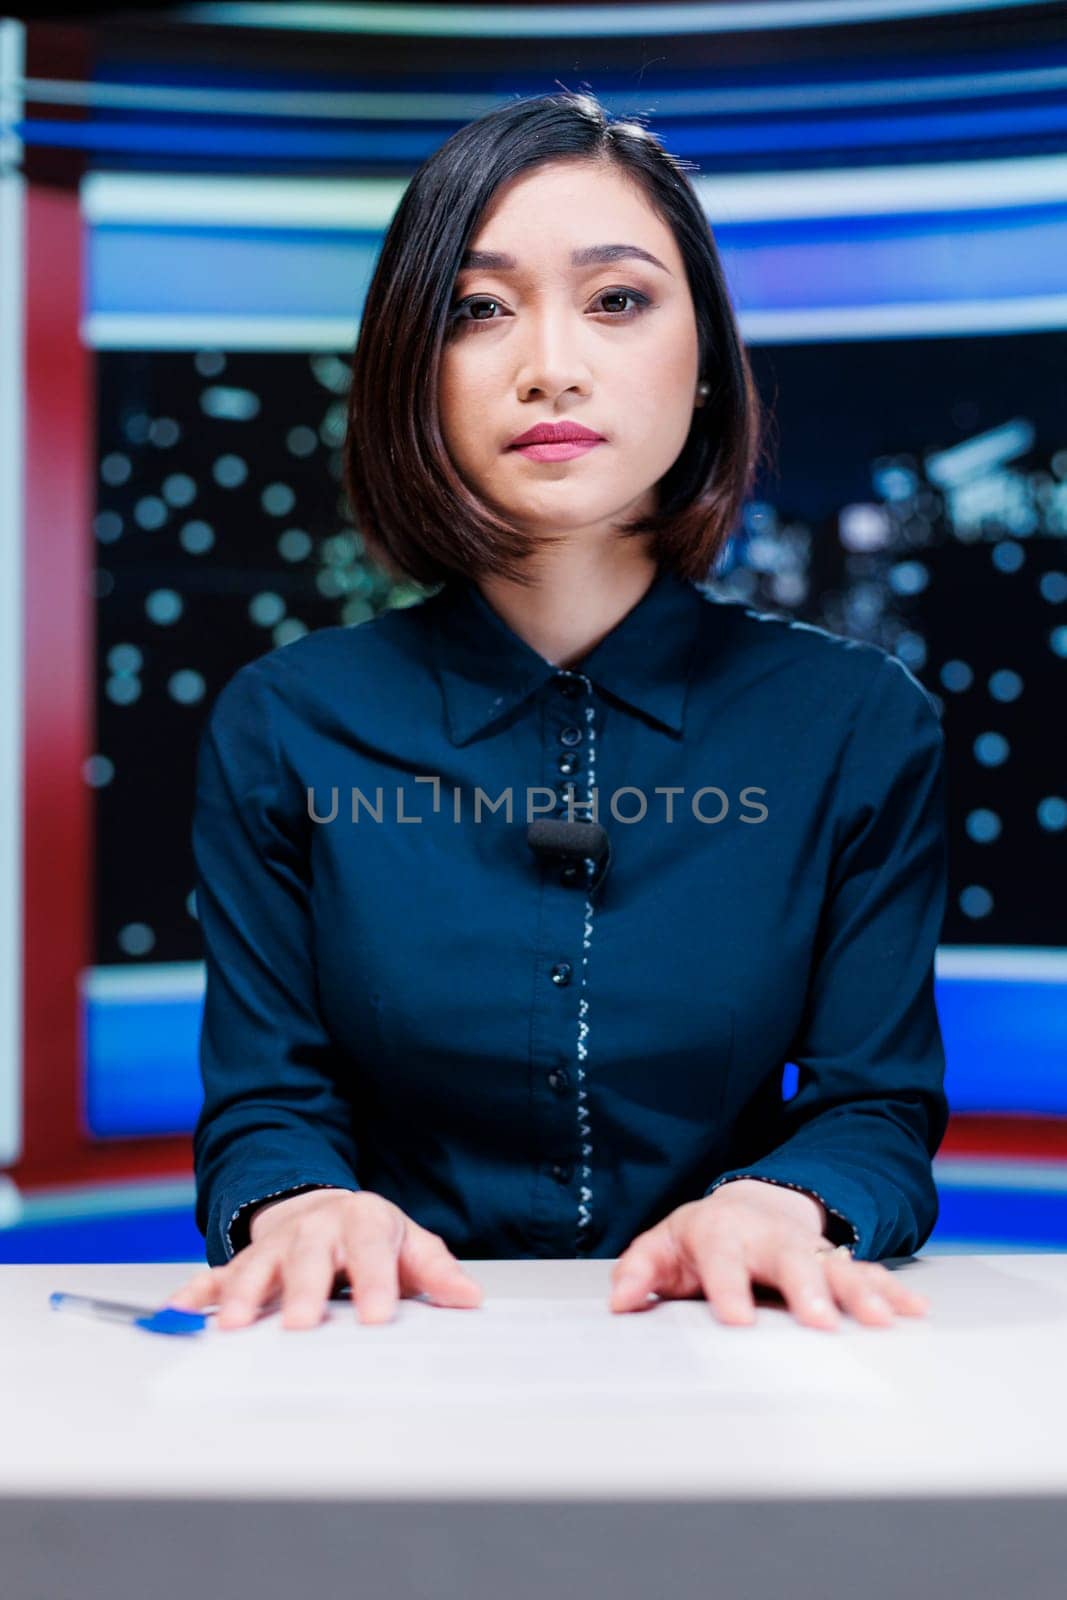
249	1283
371	1248
892	1287
631	1281
727	1282
429	1265
900	1294
200	1290
803	1281
648	1266
307	1275
857	1290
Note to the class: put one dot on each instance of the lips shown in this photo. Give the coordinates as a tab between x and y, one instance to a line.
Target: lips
556	433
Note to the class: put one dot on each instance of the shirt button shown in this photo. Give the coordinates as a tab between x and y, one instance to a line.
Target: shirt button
561	1171
571	687
569	763
558	1080
561	973
570	736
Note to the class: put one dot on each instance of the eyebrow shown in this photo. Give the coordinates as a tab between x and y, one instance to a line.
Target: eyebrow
590	255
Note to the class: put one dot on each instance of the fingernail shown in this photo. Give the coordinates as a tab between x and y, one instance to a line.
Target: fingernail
877	1303
374	1306
298	1315
819	1305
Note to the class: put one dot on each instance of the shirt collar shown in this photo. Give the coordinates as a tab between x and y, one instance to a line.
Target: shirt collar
486	669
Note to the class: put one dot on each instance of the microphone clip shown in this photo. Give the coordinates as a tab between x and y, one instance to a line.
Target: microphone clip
581	849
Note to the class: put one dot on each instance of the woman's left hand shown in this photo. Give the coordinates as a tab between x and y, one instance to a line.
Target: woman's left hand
750	1231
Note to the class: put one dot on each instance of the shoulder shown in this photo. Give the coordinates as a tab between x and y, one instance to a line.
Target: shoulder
804	666
363	663
383	641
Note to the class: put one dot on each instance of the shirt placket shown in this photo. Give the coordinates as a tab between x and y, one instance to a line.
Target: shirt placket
565	1033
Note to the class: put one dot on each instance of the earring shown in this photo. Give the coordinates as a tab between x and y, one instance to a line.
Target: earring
703	388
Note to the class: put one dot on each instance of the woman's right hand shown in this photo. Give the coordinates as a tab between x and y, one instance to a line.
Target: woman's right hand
299	1245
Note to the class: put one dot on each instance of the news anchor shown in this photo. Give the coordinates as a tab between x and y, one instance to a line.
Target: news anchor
516	901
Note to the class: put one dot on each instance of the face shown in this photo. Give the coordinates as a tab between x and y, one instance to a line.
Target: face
555	335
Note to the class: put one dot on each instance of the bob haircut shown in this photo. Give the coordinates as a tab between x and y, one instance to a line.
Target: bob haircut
416	513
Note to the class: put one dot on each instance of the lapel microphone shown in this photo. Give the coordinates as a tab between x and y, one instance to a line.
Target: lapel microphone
581	849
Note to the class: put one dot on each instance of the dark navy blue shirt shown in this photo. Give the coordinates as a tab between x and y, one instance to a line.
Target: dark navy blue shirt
403	997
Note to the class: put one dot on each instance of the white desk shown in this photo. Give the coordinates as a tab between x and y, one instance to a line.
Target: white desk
927	1458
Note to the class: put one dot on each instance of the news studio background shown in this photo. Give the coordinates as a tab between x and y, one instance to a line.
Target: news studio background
192	199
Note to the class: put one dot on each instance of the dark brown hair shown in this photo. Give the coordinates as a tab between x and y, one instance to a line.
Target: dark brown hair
417	515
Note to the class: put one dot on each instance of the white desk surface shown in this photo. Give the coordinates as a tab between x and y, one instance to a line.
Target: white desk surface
968	1400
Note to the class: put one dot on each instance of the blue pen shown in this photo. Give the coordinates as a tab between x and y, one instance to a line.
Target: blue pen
167	1320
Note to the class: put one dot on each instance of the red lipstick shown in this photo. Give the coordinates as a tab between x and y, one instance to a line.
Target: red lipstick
556	441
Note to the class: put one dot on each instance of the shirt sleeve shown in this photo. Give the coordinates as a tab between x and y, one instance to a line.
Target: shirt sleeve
870	1109
274	1117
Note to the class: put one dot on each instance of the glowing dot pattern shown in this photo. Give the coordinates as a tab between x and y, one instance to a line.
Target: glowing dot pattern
217	520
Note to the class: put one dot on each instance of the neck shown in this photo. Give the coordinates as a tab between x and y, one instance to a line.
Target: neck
578	597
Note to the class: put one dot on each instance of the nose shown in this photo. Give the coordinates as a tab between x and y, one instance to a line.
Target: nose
553	359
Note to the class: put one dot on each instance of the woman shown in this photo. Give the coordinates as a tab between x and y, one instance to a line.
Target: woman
432	1033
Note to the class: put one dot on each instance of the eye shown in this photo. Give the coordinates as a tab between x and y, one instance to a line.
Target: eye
641	301
473	303
480	306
